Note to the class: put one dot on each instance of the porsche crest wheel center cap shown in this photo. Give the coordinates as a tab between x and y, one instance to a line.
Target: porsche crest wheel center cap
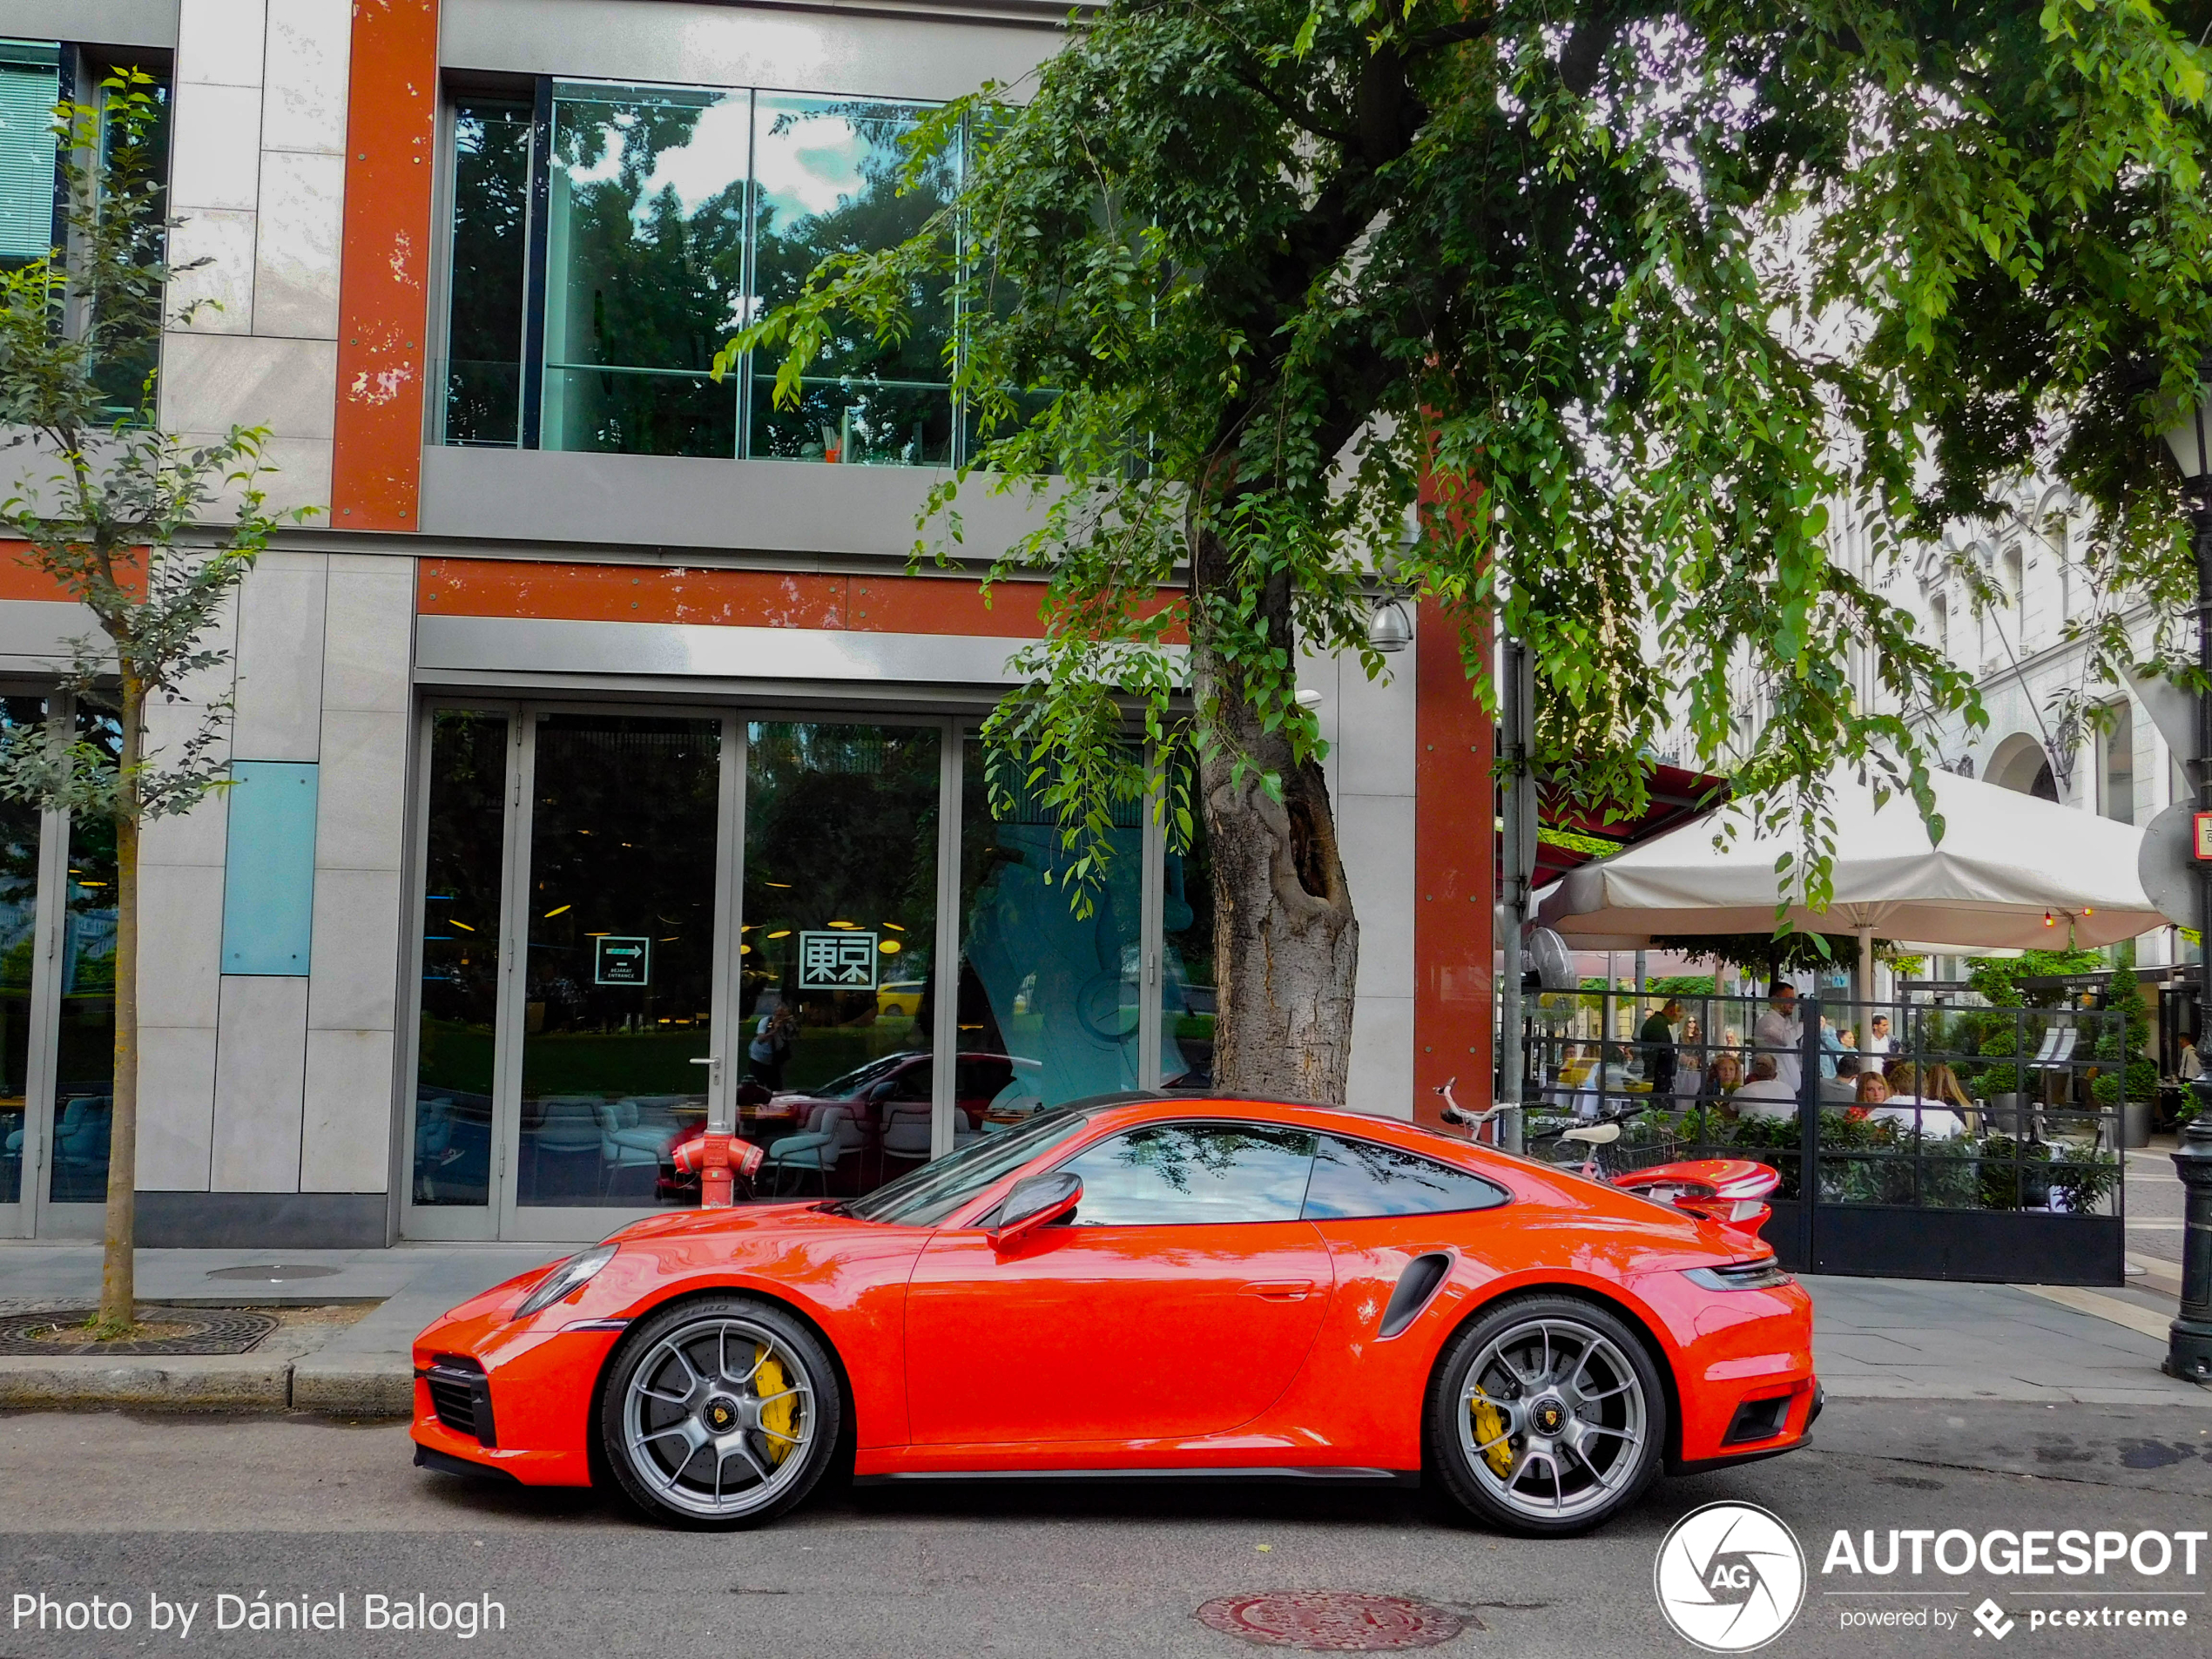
719	1413
1548	1416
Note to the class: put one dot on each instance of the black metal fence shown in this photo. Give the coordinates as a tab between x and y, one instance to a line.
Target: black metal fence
1982	1143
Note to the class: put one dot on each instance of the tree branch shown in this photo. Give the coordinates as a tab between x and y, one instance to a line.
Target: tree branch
1452	34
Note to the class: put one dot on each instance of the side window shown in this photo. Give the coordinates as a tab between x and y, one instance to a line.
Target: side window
1366	1178
1187	1173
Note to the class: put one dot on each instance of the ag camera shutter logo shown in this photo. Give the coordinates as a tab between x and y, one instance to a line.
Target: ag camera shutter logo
1730	1577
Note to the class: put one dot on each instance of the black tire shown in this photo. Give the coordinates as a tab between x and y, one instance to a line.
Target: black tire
1562	1383
748	1436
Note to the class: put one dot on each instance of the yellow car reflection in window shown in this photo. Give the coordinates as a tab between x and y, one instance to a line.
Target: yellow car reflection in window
901	997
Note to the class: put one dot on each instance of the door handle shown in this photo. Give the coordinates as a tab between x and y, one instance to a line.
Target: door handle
1280	1290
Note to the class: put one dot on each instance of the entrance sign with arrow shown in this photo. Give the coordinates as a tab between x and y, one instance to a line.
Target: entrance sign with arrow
619	960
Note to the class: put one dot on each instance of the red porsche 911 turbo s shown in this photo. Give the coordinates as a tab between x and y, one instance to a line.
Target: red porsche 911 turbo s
1142	1284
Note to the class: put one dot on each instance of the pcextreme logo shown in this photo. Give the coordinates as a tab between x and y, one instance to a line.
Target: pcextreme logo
1730	1577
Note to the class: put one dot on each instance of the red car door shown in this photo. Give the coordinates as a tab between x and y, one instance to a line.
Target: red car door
1180	1300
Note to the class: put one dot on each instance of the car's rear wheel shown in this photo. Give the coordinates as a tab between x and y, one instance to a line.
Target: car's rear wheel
1545	1416
720	1412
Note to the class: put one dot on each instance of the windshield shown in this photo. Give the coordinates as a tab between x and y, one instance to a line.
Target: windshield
933	1191
854	1081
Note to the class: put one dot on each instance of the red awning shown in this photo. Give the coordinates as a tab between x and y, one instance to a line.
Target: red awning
1677	796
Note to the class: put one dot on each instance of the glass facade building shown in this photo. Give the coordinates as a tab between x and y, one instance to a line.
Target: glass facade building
601	756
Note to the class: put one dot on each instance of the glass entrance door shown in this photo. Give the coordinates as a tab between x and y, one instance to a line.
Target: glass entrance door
619	982
843	848
574	933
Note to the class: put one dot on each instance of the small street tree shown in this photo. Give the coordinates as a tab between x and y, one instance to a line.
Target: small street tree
1637	286
119	514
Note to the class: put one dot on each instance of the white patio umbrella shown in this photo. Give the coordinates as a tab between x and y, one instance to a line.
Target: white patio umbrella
2012	871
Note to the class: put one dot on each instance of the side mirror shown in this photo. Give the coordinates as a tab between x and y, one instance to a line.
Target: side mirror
1035	1203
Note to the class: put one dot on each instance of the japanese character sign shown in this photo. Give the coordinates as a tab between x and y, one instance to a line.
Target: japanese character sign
844	961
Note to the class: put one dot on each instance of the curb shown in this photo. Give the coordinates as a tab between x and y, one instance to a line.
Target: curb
290	1370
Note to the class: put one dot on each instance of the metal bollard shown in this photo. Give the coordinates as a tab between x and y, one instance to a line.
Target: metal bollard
2188	1352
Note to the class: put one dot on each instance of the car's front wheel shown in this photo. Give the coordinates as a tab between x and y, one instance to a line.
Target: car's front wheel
1545	1415
720	1412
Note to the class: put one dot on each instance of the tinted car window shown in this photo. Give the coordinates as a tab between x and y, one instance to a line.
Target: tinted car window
929	1194
1366	1178
1187	1173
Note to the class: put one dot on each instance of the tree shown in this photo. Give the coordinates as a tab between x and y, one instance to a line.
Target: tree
1623	292
120	524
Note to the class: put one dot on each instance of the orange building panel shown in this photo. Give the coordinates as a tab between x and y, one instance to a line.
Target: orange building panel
1454	856
391	124
717	598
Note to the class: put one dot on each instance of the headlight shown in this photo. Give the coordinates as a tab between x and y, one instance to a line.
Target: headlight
1761	1274
577	1270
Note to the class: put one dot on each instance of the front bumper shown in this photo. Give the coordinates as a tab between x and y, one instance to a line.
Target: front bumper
517	1399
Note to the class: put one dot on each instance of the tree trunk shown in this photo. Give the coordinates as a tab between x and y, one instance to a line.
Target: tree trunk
1286	945
118	1272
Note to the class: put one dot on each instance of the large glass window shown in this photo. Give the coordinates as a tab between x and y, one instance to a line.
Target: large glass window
18	946
84	1074
29	85
644	268
2117	788
1047	994
127	376
835	990
826	179
619	979
463	875
491	220
1187	999
674	215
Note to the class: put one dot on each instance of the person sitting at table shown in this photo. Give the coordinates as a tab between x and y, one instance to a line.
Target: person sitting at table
1941	1084
1842	1089
1872	1090
1723	1078
1765	1095
1935	1119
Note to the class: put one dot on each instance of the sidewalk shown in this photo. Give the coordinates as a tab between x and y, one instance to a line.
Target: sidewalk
360	1370
1873	1339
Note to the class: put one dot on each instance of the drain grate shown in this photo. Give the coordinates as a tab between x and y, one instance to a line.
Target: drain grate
275	1272
1332	1621
191	1331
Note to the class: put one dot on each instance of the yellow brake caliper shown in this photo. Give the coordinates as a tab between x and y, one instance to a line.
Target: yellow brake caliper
778	1415
1490	1432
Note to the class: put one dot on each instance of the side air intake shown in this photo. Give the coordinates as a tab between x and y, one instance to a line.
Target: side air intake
1423	1275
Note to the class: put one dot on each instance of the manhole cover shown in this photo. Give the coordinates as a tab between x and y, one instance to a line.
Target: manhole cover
1332	1621
275	1272
188	1330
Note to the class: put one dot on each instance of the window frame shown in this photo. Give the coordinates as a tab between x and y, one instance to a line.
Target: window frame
455	89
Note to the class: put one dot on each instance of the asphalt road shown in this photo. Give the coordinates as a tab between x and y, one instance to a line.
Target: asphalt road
188	1510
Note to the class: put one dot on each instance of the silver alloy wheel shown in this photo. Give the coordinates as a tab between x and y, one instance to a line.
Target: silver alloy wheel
1571	1417
718	1417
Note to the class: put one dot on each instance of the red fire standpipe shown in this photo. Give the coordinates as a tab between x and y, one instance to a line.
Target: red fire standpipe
718	1155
